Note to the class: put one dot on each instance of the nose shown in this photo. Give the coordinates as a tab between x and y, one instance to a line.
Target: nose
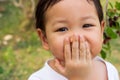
77	32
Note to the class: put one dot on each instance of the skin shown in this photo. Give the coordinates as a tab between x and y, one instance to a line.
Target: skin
74	37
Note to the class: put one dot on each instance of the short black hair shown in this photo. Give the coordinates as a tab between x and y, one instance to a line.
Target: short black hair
43	5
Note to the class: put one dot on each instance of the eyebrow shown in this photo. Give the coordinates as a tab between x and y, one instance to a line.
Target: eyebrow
81	19
87	17
59	21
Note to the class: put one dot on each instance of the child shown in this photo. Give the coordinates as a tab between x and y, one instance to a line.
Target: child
73	31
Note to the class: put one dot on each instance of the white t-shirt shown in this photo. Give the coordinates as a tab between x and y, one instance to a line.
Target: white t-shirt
47	73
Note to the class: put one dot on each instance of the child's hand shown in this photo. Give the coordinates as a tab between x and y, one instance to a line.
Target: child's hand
77	59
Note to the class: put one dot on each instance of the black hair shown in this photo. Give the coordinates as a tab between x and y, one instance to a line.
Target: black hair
43	5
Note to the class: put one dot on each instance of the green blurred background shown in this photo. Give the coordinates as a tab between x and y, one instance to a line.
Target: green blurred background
21	52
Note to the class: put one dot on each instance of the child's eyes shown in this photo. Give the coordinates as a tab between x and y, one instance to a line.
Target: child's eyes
62	29
87	25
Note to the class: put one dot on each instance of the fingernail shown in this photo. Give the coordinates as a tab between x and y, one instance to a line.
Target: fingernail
75	37
86	44
66	41
82	38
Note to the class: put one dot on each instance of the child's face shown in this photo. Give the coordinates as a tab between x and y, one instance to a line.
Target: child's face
69	17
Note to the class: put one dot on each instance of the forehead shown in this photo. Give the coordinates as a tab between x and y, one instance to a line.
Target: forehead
69	6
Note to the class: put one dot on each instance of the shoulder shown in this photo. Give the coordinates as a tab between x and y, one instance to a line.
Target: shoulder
46	73
33	77
111	70
38	74
110	67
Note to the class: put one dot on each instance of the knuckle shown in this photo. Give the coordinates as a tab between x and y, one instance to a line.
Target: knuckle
69	63
73	48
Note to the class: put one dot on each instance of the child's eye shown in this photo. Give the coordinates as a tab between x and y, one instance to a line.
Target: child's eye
62	29
87	25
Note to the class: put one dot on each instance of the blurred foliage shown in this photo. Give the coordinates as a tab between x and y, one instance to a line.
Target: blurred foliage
20	45
112	30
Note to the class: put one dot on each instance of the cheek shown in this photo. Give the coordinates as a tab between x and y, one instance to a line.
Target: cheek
96	48
96	45
56	47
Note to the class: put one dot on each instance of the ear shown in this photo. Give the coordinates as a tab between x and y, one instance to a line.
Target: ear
102	26
102	29
43	39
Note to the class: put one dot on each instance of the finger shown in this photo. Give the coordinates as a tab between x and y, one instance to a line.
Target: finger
59	67
67	50
75	48
88	53
82	49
